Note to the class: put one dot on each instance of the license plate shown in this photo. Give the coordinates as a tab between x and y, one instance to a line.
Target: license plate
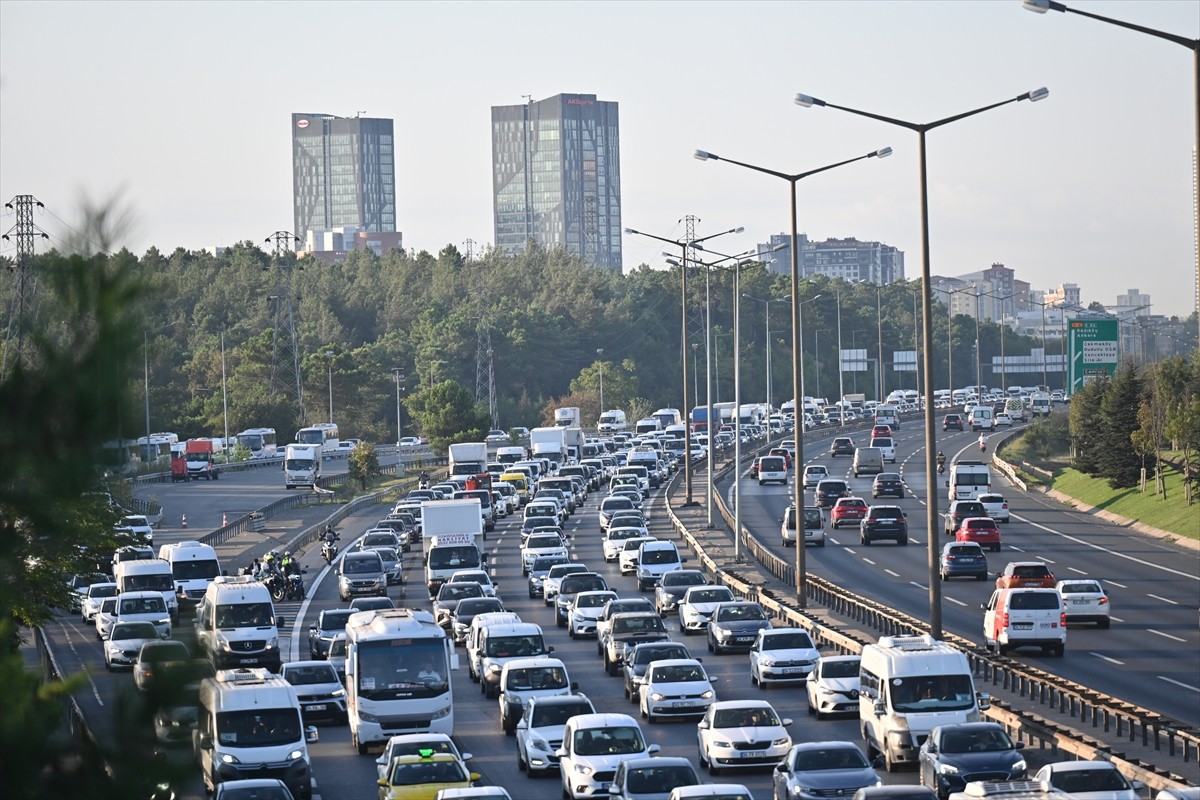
684	703
790	670
1079	602
753	753
1022	626
247	660
315	707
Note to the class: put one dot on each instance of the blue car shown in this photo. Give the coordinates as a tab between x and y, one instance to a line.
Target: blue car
963	560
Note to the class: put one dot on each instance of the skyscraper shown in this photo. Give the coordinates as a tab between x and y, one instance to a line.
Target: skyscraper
343	173
556	176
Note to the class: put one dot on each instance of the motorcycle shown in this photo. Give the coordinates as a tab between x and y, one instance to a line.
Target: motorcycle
277	585
941	467
295	587
982	446
329	551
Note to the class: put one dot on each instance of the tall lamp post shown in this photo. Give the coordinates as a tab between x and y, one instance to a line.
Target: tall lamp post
600	363
935	588
146	367
398	374
793	179
683	245
767	315
798	411
1042	6
1002	329
949	341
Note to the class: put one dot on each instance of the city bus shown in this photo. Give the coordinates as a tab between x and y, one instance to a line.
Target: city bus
323	434
259	441
398	664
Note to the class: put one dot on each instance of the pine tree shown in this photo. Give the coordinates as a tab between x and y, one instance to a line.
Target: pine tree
1117	459
1085	424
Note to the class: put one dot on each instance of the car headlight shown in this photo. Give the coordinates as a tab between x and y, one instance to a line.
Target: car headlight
538	744
229	758
707	695
495	669
367	716
948	769
786	741
273	643
339	693
584	769
719	743
766	661
441	713
657	697
1019	766
295	755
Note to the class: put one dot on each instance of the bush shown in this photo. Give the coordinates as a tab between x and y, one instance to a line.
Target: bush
1045	438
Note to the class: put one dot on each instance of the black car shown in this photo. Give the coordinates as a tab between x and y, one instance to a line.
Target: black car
883	522
955	755
888	483
331	622
952	422
842	446
829	490
960	510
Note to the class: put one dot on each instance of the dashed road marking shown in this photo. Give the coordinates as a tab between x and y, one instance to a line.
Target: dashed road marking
1164	599
1109	660
1166	635
1177	683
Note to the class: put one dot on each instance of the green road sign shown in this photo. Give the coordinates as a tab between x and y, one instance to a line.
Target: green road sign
1094	350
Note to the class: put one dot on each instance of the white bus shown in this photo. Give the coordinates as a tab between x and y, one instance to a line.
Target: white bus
398	664
260	442
324	434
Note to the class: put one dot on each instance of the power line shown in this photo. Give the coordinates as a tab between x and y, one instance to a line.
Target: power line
23	310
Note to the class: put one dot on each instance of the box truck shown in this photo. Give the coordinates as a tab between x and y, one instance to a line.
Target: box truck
301	465
574	440
452	539
468	459
549	443
567	417
201	458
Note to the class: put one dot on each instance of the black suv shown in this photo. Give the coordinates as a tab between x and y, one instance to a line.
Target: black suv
829	490
952	422
960	510
883	522
888	483
842	446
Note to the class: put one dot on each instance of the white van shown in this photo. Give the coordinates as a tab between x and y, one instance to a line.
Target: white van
968	480
193	565
909	686
655	559
236	624
886	415
148	575
499	644
981	418
1025	617
475	633
249	726
611	422
524	678
887	447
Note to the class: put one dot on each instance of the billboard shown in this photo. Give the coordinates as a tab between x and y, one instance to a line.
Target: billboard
1093	346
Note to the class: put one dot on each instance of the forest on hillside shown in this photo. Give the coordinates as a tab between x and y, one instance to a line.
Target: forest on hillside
544	313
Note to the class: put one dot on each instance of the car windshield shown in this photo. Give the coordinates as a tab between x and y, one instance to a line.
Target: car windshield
164	651
276	792
456	557
536	678
360	566
644	655
840	669
740	612
543	542
1031	571
310	674
421	772
260	727
608	741
582	583
1081	588
557	713
744	717
247	615
1039	601
683	578
986	740
638	624
476	605
678	673
516	646
592	600
715	595
790	640
659	779
1089	780
932	693
141	605
459	591
544	563
664	556
419	746
825	758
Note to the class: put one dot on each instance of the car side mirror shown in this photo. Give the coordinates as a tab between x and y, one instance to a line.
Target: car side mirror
653	749
947	484
280	622
877	762
985	702
382	782
550	649
1018	745
880	708
311	734
205	741
1137	785
714	678
574	686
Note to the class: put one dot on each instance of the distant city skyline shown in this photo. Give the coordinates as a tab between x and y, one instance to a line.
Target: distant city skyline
184	108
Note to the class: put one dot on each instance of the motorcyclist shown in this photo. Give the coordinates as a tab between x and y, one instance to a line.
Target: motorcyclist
941	461
982	443
424	481
329	535
289	565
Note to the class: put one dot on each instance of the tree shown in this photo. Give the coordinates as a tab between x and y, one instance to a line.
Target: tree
363	463
447	413
1085	424
1116	458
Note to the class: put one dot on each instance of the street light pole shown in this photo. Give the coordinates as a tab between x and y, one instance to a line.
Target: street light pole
600	363
684	244
801	577
935	589
146	369
841	374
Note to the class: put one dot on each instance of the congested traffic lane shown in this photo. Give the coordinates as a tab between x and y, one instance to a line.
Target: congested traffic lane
1147	657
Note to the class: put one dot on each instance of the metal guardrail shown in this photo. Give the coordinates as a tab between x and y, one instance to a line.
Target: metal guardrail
1101	710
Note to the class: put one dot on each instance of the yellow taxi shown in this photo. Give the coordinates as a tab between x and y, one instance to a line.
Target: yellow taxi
421	776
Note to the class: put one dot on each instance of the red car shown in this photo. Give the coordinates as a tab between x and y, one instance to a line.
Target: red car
982	530
1026	574
849	510
782	451
881	430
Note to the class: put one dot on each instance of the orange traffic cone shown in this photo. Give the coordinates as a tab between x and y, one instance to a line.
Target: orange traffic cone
183	522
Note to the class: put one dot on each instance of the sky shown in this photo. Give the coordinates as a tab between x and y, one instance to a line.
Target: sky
182	109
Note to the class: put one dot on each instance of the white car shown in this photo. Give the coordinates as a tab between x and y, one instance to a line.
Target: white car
475	576
540	730
833	686
698	604
555	576
742	733
125	641
593	745
1090	780
627	558
814	474
585	611
995	505
105	617
1084	600
782	654
676	687
97	593
1002	419
139	526
614	540
541	544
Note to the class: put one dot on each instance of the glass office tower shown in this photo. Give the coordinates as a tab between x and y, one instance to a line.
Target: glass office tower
556	177
343	173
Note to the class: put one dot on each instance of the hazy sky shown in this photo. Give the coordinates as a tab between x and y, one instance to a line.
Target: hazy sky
185	106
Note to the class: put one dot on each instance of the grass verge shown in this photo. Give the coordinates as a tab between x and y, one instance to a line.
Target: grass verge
1172	514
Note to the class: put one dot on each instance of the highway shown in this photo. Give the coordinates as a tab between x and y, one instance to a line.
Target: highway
341	774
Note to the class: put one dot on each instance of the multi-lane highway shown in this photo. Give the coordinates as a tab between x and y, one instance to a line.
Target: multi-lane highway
891	575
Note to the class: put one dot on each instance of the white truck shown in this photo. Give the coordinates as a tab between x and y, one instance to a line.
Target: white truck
567	417
668	416
452	539
574	440
301	465
612	421
468	459
549	443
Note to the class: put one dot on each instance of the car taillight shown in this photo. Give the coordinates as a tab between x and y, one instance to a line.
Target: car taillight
1103	601
1004	505
1002	617
1062	619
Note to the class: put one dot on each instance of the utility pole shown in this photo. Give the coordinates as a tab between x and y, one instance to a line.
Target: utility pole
23	311
285	356
485	373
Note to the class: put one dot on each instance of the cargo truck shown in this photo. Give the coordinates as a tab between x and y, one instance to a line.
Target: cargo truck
574	440
568	417
201	458
549	443
301	465
468	459
452	539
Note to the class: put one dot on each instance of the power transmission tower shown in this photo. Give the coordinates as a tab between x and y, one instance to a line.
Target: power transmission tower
470	246
23	311
485	373
285	355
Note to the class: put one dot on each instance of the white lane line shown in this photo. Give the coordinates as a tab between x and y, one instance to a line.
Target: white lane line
893	574
920	586
850	550
1048	561
1110	551
1177	683
1166	635
1115	619
1077	571
1014	547
1114	583
956	601
869	561
1164	599
1109	660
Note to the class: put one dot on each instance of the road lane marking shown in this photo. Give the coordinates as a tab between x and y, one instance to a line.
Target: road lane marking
1048	561
1110	551
920	586
869	561
1115	619
1166	635
850	550
1014	547
1114	583
1177	683
1077	571
956	601
1165	600
893	574
1109	660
